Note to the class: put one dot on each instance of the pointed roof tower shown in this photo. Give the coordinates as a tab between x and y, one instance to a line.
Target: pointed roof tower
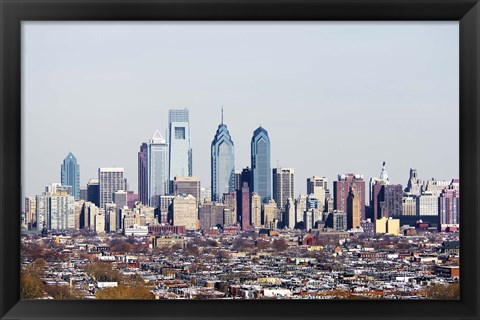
157	138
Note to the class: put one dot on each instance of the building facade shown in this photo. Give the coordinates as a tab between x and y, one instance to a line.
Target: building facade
260	164
110	180
341	190
222	163
186	186
180	150
70	174
283	186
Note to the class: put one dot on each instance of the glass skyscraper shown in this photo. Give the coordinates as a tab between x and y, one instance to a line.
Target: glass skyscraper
180	150
153	173
223	163
157	168
262	178
70	174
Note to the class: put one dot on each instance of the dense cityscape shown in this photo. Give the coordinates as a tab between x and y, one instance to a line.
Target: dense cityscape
246	236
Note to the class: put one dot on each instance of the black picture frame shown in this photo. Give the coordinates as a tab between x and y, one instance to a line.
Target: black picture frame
13	12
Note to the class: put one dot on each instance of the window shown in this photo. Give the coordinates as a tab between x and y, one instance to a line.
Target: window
180	133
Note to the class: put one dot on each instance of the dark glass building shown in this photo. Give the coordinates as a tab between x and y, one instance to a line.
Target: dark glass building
222	163
70	174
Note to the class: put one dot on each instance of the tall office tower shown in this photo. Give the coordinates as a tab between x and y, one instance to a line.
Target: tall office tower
383	180
211	215
290	214
354	213
319	187
283	183
238	181
260	164
427	204
187	185
110	180
377	197
449	207
143	173
243	206
180	150
413	184
222	163
269	214
256	209
184	212
93	191
70	174
300	207
157	168
246	176
409	205
230	200
30	212
341	189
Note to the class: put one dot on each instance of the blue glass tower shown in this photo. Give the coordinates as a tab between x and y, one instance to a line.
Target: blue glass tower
262	178
223	163
70	174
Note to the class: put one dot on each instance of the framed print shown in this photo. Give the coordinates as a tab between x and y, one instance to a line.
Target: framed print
239	159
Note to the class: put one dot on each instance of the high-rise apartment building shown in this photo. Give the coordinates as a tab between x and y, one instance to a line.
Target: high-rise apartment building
449	207
55	209
283	186
427	204
222	163
30	212
70	174
180	150
211	215
256	209
260	164
270	214
341	190
409	205
110	180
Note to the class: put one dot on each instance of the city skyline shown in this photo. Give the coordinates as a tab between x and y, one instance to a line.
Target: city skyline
401	127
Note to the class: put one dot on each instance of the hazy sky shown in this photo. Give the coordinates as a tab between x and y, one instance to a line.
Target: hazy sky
335	97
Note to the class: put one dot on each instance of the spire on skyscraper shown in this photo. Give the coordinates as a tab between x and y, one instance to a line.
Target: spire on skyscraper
383	174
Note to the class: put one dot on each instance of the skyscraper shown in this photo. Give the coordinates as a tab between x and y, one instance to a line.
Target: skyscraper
341	189
222	163
319	187
186	186
143	173
70	174
110	180
283	183
353	207
243	206
180	150
157	160
260	164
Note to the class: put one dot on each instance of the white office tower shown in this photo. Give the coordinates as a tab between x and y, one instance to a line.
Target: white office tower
110	181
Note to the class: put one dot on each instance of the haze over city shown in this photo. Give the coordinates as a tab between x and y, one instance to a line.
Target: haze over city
334	97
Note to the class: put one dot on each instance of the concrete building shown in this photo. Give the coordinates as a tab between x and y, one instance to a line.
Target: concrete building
211	215
30	212
256	209
449	207
354	210
100	221
300	207
110	180
427	204
283	186
187	185
341	191
387	225
184	212
413	184
289	220
318	186
120	199
205	194
339	220
269	214
243	206
409	205
55	209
